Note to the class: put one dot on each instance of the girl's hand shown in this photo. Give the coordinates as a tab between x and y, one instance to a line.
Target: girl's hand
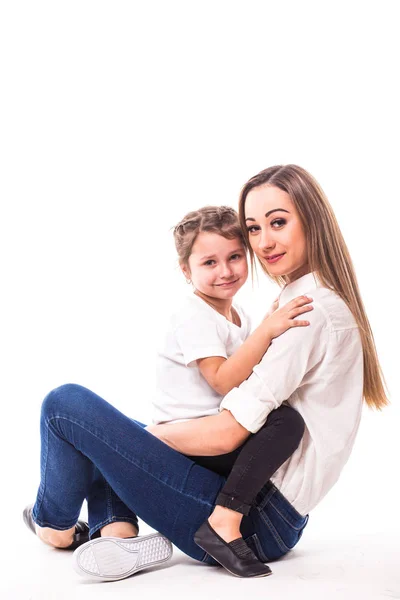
284	318
274	306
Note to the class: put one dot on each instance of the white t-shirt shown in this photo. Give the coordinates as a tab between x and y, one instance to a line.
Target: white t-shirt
195	331
318	370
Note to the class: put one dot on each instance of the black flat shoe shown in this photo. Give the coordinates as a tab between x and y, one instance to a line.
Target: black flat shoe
81	535
236	557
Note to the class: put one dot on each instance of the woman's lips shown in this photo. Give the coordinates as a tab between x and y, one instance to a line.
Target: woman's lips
274	258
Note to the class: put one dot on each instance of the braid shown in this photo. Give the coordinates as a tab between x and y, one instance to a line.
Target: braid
222	220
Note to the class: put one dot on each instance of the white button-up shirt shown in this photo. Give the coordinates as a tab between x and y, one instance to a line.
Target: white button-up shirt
318	370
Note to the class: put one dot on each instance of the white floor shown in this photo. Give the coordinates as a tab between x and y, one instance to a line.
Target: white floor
363	567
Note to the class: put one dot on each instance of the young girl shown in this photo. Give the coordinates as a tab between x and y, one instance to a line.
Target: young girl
208	351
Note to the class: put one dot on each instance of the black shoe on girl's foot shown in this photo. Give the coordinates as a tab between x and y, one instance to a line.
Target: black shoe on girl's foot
236	557
81	534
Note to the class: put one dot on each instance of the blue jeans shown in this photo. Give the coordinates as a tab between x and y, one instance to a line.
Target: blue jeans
91	450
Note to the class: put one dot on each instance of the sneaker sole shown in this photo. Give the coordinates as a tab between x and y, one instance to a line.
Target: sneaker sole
112	558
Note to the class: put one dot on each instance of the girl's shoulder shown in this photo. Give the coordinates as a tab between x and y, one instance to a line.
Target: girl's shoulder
244	317
192	307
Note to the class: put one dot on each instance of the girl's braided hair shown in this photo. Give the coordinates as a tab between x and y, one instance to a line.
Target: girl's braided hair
222	220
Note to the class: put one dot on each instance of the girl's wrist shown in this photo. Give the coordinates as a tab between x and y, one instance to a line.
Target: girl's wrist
266	330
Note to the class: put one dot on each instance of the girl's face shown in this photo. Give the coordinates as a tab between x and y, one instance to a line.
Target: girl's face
217	266
276	233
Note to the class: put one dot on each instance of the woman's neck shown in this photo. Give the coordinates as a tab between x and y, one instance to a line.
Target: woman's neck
304	270
223	307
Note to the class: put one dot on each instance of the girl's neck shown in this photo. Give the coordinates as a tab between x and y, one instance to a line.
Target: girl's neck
223	307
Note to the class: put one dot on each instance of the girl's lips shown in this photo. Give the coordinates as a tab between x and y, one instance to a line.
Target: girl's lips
228	284
275	258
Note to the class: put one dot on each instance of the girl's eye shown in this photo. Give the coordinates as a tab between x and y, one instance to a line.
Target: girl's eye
253	228
278	223
235	256
210	262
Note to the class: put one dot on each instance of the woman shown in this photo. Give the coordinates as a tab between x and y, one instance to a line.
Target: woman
89	449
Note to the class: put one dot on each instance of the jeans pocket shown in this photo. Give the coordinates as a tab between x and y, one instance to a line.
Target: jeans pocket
277	534
286	531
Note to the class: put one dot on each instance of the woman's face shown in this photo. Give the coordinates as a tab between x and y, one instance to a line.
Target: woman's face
276	233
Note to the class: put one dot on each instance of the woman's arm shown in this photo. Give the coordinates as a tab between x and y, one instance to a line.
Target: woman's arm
220	434
281	372
206	436
223	374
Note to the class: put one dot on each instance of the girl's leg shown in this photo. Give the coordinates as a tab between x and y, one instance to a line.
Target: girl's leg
81	433
257	461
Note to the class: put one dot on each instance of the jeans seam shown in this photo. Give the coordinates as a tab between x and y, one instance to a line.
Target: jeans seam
110	510
128	458
109	520
43	472
42	523
267	498
275	533
286	519
256	542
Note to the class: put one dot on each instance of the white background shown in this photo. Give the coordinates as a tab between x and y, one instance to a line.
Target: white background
117	118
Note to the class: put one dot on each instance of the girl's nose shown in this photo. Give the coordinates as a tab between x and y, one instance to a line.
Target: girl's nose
226	270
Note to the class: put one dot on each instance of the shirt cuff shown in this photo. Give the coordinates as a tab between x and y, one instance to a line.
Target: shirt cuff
190	358
250	410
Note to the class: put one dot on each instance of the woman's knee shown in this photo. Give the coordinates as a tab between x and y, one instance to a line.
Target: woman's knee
62	397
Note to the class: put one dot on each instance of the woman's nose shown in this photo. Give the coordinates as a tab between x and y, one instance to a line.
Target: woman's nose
265	240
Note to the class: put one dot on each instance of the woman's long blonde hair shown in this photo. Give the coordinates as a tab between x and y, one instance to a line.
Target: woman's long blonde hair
328	256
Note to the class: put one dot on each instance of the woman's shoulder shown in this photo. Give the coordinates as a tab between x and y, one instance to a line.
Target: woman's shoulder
333	309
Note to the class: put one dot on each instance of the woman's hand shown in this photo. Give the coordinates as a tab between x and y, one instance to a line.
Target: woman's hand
284	318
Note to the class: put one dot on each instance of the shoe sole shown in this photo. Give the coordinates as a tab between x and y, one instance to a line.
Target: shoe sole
112	558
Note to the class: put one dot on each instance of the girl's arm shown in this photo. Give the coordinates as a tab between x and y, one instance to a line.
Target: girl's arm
223	374
206	436
220	434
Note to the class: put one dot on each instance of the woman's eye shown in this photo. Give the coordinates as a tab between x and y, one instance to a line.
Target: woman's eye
278	223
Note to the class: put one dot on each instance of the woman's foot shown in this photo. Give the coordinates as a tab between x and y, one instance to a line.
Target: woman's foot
68	539
119	529
111	558
53	537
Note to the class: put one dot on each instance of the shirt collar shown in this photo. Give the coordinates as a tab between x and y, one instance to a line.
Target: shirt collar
303	285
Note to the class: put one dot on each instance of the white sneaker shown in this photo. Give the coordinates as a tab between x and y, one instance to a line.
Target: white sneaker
111	558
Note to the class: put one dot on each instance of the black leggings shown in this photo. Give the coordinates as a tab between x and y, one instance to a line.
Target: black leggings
249	467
